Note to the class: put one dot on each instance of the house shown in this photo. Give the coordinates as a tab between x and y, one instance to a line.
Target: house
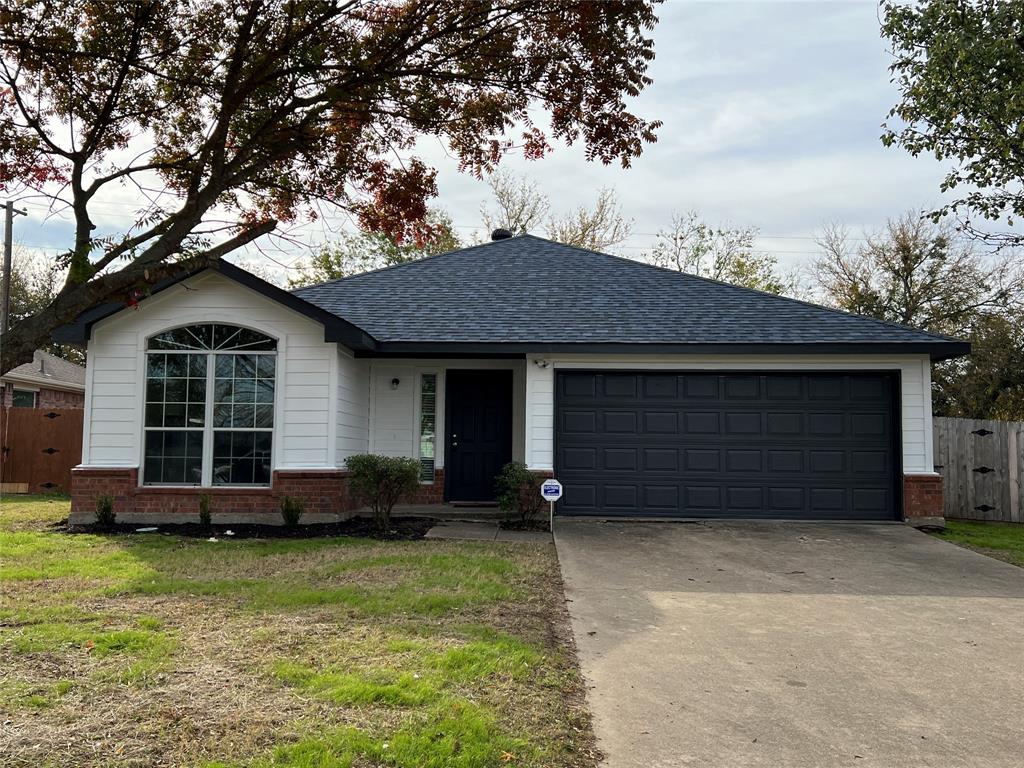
47	382
649	393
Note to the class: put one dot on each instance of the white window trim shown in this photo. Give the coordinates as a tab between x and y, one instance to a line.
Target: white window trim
417	414
208	428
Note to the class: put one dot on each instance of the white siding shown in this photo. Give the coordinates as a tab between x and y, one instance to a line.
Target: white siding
304	436
915	386
353	406
394	413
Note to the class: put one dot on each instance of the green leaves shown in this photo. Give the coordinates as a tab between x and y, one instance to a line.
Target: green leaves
959	67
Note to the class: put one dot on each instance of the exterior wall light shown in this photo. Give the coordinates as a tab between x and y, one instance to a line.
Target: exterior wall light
394	383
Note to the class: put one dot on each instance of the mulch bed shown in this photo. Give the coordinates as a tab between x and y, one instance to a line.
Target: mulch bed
529	525
401	529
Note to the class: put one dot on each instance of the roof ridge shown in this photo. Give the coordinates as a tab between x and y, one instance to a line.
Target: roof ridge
748	289
389	267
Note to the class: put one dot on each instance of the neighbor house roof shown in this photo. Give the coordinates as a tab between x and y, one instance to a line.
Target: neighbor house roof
530	293
48	370
527	294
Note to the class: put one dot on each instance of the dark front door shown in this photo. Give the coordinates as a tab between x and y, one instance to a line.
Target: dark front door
479	443
810	446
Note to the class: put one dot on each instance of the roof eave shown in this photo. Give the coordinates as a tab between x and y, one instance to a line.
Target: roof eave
336	329
939	350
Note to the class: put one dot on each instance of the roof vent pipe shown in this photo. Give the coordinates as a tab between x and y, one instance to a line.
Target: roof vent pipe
500	234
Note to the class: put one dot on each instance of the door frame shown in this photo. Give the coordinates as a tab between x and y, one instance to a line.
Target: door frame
896	410
449	409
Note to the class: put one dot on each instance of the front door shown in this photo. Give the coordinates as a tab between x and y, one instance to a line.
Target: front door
478	405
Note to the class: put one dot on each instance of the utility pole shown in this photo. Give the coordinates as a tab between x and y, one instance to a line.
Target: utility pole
5	309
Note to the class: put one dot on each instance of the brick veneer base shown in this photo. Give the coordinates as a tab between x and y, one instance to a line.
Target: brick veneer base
922	497
429	493
324	492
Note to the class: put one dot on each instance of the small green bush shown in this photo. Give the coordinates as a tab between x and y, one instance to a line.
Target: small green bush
519	492
291	510
204	510
381	481
105	516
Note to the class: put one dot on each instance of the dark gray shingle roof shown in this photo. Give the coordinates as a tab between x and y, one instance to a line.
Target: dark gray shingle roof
530	290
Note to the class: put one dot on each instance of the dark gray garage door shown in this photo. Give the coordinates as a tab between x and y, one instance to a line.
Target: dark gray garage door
654	444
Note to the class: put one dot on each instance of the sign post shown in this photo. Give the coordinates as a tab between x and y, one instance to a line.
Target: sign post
551	491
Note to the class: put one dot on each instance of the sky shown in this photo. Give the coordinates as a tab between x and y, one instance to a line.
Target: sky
772	116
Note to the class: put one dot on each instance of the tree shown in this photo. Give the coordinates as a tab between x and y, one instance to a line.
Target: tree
232	118
599	228
721	253
921	274
959	67
989	384
34	284
521	207
363	251
915	273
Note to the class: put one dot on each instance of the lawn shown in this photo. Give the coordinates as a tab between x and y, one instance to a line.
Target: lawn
159	650
1002	540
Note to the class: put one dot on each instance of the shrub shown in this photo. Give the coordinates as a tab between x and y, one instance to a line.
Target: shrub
105	511
519	492
291	510
381	481
204	510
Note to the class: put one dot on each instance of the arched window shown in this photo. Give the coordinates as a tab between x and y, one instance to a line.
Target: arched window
209	416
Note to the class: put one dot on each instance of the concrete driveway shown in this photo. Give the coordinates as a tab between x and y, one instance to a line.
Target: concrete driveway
725	645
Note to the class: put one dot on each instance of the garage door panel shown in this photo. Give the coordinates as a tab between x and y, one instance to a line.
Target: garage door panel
701	423
786	500
660	387
869	462
620	422
742	387
784	388
702	498
743	460
620	386
661	422
702	460
662	459
697	386
661	497
785	461
745	424
579	458
794	445
621	458
621	496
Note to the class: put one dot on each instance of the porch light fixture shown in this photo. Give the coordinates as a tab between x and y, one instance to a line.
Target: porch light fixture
395	382
541	363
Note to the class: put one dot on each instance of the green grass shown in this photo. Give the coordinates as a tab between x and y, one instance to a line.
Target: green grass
460	734
300	653
1004	540
33	511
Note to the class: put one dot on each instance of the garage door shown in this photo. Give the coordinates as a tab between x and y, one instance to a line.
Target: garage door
708	445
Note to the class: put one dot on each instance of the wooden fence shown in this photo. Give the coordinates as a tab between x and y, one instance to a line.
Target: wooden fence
981	463
38	448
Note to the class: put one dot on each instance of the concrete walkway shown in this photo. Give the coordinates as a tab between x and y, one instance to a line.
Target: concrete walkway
795	646
483	531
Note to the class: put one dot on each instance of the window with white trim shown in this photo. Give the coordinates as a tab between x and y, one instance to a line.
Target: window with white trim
209	417
428	426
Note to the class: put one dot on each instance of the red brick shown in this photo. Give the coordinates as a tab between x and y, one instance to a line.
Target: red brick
922	496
